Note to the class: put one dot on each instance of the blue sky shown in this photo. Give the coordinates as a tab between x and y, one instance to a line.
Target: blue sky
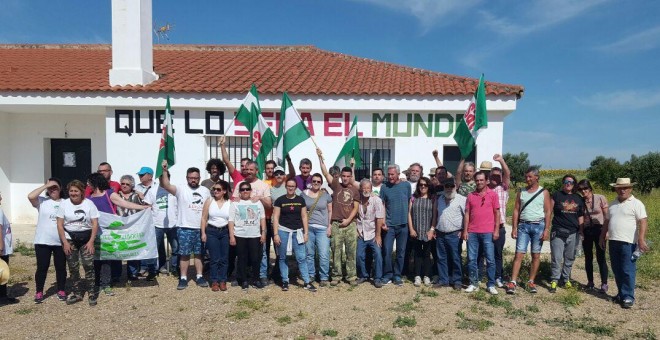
590	67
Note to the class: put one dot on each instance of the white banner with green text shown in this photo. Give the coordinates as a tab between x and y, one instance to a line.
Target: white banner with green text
127	238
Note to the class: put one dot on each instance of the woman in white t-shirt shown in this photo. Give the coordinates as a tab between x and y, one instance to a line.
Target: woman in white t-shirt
47	242
215	218
77	225
247	231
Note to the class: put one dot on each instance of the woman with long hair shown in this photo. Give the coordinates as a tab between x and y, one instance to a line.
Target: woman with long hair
47	242
319	210
421	220
77	226
567	224
215	233
596	209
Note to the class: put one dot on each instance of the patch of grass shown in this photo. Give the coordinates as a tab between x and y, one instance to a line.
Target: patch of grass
533	308
428	292
405	321
239	315
587	324
301	315
529	322
417	298
495	301
357	309
254	305
353	337
460	314
648	333
479	295
384	336
329	332
405	307
23	248
436	331
24	311
284	320
474	324
570	298
515	312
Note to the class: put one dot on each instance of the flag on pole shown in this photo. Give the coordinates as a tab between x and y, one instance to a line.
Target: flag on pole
166	149
474	120
249	110
351	149
263	142
292	130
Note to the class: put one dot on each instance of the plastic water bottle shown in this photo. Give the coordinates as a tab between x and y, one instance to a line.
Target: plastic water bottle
638	252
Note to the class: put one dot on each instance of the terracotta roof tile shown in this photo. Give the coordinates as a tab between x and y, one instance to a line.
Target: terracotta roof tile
229	69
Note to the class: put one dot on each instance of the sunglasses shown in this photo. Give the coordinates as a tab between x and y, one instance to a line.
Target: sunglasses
217	189
279	174
569	182
450	186
244	189
317	182
127	184
423	185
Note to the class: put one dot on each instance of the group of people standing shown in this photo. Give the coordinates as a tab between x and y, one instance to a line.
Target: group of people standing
348	234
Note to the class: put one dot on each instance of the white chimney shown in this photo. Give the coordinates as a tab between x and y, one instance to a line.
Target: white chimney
132	44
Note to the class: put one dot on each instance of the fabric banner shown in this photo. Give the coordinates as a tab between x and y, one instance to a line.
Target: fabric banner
127	238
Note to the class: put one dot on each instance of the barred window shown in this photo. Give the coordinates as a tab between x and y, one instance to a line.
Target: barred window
376	153
237	148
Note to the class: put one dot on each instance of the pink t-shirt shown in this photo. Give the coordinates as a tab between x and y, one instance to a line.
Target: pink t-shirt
236	177
481	208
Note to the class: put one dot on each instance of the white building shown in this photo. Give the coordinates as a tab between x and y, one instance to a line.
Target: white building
66	108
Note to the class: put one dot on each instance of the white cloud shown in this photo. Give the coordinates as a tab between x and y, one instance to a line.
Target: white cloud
622	100
640	41
428	12
537	15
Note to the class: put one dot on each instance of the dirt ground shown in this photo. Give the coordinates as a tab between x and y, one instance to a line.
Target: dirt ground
158	310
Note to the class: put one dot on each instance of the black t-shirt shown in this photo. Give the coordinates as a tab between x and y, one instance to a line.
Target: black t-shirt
567	209
290	211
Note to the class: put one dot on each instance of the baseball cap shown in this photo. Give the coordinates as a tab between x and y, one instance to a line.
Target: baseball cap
145	170
278	168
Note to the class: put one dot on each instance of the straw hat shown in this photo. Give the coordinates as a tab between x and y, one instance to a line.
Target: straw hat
432	172
4	272
622	183
486	166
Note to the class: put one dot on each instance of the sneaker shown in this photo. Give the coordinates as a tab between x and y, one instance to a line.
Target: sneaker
418	281
259	284
61	295
335	283
386	282
378	284
39	297
73	298
531	287
568	284
264	282
511	287
285	286
92	299
223	286
132	278
215	287
235	283
590	286
108	291
310	287
603	288
142	272
427	281
151	276
360	281
492	290
183	284
398	282
245	285
324	283
553	287
458	286
163	271
499	283
627	303
471	288
201	282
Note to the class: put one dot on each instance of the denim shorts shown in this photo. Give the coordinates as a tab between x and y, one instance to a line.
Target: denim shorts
530	233
190	241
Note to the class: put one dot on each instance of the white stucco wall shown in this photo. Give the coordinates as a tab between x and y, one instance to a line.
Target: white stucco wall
27	163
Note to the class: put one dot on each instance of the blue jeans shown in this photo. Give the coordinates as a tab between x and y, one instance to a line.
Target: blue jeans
400	234
298	250
530	233
474	242
625	270
153	265
318	240
448	255
217	244
377	265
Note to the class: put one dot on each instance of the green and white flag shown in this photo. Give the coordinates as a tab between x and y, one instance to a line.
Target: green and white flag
474	120
351	148
166	148
127	238
262	137
292	130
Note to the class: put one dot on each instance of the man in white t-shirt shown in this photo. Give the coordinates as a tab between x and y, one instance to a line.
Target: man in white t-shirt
165	215
625	228
190	199
377	177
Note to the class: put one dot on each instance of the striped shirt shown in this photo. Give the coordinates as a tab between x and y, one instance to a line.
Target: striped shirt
422	215
503	194
450	216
